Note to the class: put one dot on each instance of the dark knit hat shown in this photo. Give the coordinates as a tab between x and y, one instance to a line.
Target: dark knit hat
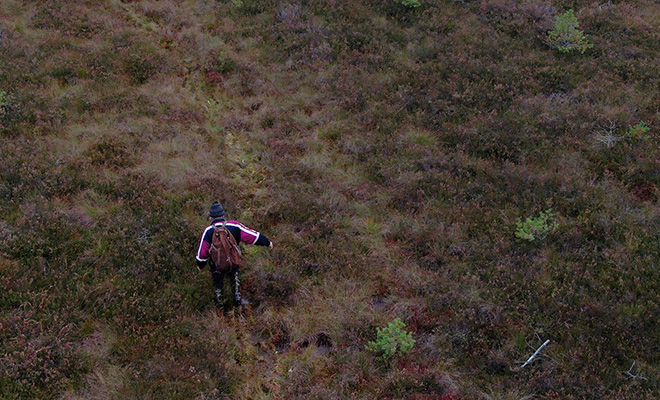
216	210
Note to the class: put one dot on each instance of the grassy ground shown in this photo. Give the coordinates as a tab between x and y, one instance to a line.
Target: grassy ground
387	151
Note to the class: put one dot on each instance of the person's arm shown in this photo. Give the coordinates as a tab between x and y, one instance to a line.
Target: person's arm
203	250
263	241
250	236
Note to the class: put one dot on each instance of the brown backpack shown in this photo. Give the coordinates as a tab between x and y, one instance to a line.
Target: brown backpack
225	253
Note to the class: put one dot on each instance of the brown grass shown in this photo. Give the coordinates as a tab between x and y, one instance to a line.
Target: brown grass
387	152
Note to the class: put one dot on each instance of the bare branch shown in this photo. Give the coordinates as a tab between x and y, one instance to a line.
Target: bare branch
529	360
608	137
629	374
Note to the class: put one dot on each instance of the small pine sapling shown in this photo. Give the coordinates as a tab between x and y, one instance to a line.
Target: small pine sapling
638	131
566	37
391	340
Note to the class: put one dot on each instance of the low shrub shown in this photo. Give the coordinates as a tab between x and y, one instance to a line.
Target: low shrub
391	341
566	37
410	3
638	131
536	228
142	62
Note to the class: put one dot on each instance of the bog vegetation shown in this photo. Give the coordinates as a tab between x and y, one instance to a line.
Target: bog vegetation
389	149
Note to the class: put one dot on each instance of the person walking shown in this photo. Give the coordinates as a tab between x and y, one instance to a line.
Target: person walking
228	261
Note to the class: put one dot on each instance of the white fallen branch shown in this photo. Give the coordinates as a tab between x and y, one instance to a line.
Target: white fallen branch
630	375
529	360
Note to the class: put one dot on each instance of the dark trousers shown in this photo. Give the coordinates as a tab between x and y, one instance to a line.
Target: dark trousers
218	284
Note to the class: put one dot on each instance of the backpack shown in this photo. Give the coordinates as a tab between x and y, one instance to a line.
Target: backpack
225	253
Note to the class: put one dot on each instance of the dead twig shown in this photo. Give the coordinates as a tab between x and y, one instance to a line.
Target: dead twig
608	137
530	359
630	375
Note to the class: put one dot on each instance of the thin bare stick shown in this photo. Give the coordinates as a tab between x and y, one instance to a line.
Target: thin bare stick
630	375
535	353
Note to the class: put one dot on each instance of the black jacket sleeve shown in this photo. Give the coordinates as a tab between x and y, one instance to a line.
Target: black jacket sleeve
262	240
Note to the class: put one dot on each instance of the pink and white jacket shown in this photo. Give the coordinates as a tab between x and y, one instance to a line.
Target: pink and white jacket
241	233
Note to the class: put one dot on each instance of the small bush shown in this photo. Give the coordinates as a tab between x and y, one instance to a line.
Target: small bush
536	228
392	340
142	62
410	3
218	66
638	131
566	37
